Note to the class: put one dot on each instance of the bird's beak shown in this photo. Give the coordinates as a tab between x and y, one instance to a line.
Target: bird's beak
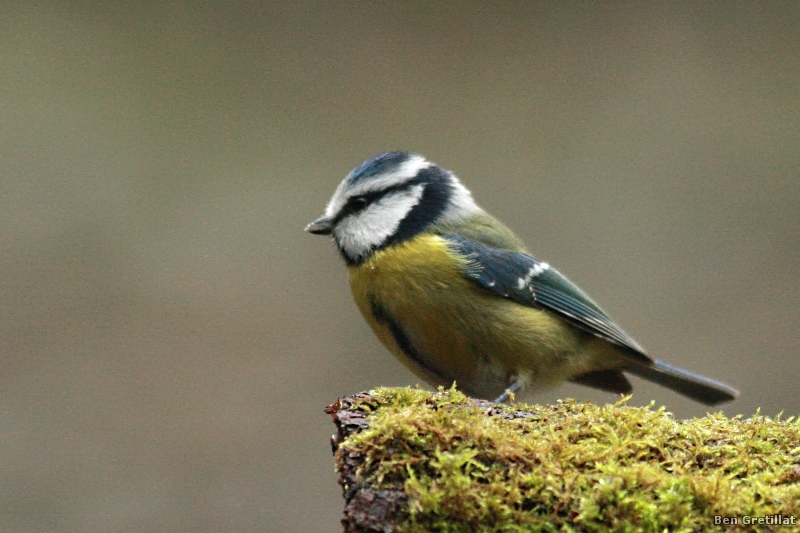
321	226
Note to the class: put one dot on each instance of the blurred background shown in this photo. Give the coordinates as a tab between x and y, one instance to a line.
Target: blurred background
170	335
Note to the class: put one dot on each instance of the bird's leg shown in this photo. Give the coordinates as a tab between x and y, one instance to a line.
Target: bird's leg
515	385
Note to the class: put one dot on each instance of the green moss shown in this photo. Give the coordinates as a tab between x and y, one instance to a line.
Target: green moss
473	466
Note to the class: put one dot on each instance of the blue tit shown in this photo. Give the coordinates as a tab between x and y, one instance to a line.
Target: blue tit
456	296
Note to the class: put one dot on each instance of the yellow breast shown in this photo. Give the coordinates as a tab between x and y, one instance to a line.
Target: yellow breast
445	328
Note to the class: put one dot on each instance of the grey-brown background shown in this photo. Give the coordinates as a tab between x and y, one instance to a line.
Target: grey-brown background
170	336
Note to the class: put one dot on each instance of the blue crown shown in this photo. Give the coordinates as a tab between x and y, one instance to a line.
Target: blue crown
378	164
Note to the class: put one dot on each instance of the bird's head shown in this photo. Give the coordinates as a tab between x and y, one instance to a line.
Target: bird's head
388	199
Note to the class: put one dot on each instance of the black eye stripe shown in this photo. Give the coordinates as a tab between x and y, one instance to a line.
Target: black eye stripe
358	203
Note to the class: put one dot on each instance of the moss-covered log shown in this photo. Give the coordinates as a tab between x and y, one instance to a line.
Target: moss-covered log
412	461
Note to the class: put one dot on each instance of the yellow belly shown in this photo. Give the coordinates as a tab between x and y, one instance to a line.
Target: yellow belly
446	328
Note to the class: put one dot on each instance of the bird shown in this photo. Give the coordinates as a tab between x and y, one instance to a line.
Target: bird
456	296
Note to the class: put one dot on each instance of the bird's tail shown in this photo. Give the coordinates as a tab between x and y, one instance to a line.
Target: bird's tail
694	386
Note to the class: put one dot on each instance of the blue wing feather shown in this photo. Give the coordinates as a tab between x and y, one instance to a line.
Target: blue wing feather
527	281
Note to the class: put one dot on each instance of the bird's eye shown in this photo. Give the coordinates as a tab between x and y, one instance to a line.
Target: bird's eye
357	203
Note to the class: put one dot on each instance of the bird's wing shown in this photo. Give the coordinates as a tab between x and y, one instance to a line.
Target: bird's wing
530	282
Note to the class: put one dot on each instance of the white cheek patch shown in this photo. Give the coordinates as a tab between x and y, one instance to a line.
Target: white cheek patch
362	232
